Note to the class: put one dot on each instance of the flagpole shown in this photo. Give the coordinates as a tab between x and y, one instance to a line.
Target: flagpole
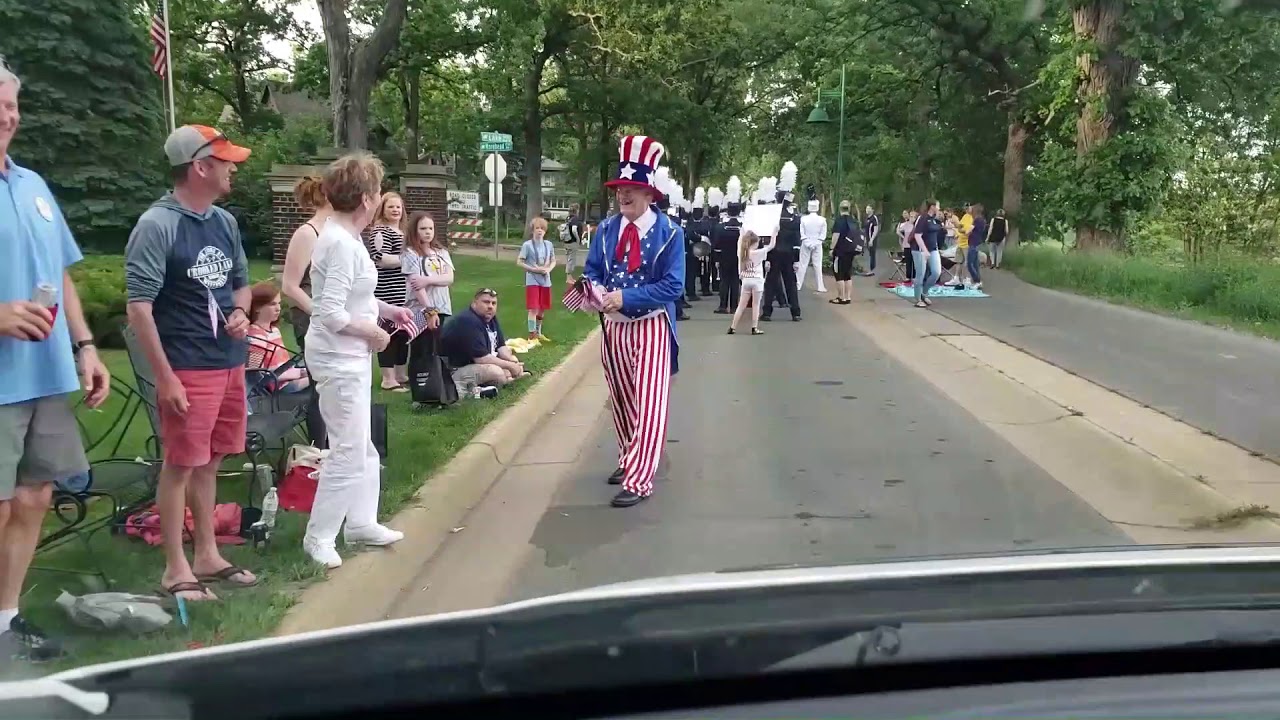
168	68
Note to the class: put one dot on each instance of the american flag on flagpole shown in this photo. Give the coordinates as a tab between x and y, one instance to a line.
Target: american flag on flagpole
160	37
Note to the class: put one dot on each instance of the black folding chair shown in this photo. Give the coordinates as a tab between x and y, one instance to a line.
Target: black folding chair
119	482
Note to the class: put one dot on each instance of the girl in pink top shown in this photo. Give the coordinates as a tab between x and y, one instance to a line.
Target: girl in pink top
266	345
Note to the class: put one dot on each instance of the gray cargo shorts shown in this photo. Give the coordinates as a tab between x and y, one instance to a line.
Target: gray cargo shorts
39	443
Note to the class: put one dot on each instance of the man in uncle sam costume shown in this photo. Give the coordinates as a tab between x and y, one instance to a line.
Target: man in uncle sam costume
634	276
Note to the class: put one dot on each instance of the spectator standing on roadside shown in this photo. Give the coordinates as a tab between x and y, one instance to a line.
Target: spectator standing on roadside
40	349
344	335
188	286
296	280
537	258
385	243
871	231
429	267
573	235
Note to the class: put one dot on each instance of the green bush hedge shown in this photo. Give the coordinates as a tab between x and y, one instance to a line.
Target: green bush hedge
1236	289
100	283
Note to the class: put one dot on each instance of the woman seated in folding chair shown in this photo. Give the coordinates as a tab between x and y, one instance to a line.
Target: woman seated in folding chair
267	353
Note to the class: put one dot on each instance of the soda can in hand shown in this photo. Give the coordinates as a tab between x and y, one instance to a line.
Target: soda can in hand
46	295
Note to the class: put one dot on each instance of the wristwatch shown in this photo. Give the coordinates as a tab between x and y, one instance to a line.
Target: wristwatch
78	346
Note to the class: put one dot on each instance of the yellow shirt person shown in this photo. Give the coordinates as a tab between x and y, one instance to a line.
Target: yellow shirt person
966	226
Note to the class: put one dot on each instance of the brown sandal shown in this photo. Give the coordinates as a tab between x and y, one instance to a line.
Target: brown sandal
171	592
223	578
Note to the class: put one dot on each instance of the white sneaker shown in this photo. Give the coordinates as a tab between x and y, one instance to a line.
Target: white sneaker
322	552
374	534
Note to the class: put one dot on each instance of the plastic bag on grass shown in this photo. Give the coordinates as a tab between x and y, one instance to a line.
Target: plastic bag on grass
136	614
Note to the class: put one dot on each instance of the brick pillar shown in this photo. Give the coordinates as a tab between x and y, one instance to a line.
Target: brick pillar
425	186
286	216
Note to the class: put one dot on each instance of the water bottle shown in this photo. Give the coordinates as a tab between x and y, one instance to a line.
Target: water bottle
270	504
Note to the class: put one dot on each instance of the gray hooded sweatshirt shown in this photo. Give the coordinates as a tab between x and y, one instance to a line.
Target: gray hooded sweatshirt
188	265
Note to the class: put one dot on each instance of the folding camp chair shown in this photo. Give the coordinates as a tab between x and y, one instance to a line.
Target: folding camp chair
267	427
899	260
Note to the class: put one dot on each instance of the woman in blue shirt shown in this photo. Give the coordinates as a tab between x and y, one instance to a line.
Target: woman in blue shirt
924	251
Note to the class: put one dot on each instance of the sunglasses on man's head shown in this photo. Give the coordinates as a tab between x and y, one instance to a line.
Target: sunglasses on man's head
487	291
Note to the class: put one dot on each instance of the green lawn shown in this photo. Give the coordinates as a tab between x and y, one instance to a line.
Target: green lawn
421	442
1236	293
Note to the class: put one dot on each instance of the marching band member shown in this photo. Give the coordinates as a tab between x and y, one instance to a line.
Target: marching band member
692	232
635	260
782	261
711	263
726	245
813	232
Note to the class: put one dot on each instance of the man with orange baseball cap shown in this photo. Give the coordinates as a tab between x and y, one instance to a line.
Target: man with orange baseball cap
188	286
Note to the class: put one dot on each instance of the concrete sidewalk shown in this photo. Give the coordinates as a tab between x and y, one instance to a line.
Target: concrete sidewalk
1218	381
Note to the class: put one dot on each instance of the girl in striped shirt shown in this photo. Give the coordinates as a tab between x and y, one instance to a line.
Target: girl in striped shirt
385	243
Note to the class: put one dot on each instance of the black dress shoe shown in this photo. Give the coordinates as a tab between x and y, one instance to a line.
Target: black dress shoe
616	477
626	498
681	316
765	318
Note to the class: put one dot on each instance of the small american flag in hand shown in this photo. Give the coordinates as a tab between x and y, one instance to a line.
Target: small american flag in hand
413	328
582	296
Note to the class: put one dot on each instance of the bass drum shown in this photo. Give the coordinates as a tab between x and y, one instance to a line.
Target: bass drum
701	249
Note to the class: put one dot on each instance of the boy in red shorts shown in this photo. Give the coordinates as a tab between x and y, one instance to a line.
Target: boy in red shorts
538	258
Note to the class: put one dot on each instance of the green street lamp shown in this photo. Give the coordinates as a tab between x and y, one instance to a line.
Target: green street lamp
819	116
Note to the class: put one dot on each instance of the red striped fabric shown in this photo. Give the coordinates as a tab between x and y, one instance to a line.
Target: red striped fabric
159	39
637	366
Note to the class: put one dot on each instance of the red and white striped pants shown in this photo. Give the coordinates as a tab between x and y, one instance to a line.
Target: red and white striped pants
637	368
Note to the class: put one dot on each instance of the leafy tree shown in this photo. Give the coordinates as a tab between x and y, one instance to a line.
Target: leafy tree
219	47
91	110
355	64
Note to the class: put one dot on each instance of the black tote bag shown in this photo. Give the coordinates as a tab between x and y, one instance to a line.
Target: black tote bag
378	429
430	379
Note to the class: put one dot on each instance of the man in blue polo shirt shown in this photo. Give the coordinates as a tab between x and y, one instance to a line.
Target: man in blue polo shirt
474	346
41	347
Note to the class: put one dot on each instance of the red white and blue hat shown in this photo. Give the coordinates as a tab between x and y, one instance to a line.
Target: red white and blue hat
638	158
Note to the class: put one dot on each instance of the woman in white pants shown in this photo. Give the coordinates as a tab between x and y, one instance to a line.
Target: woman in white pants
813	233
341	340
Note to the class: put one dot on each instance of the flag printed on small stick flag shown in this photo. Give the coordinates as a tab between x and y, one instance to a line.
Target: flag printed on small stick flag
160	38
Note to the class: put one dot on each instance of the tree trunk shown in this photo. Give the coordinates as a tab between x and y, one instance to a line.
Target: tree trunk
606	165
410	82
354	71
696	159
1015	165
533	134
244	99
1106	76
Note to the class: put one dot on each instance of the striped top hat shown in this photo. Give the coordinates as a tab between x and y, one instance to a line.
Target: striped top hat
638	158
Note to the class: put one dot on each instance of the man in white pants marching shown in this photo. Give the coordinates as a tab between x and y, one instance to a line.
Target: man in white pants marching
813	231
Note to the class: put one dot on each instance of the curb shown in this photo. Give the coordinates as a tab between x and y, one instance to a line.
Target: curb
368	585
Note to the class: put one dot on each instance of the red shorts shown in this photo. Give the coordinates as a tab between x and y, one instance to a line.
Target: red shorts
537	297
214	423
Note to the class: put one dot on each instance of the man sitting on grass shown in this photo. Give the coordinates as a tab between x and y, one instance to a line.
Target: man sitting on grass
473	343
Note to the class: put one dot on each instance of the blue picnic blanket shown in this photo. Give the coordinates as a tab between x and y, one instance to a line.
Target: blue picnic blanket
906	291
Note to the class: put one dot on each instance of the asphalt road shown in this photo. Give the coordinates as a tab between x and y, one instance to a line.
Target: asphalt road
803	446
1216	380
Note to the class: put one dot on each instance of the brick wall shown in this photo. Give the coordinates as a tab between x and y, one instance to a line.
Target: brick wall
432	200
286	216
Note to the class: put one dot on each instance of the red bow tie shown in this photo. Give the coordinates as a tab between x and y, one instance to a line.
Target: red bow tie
629	247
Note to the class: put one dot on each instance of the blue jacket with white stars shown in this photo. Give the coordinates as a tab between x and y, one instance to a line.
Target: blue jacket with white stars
659	283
